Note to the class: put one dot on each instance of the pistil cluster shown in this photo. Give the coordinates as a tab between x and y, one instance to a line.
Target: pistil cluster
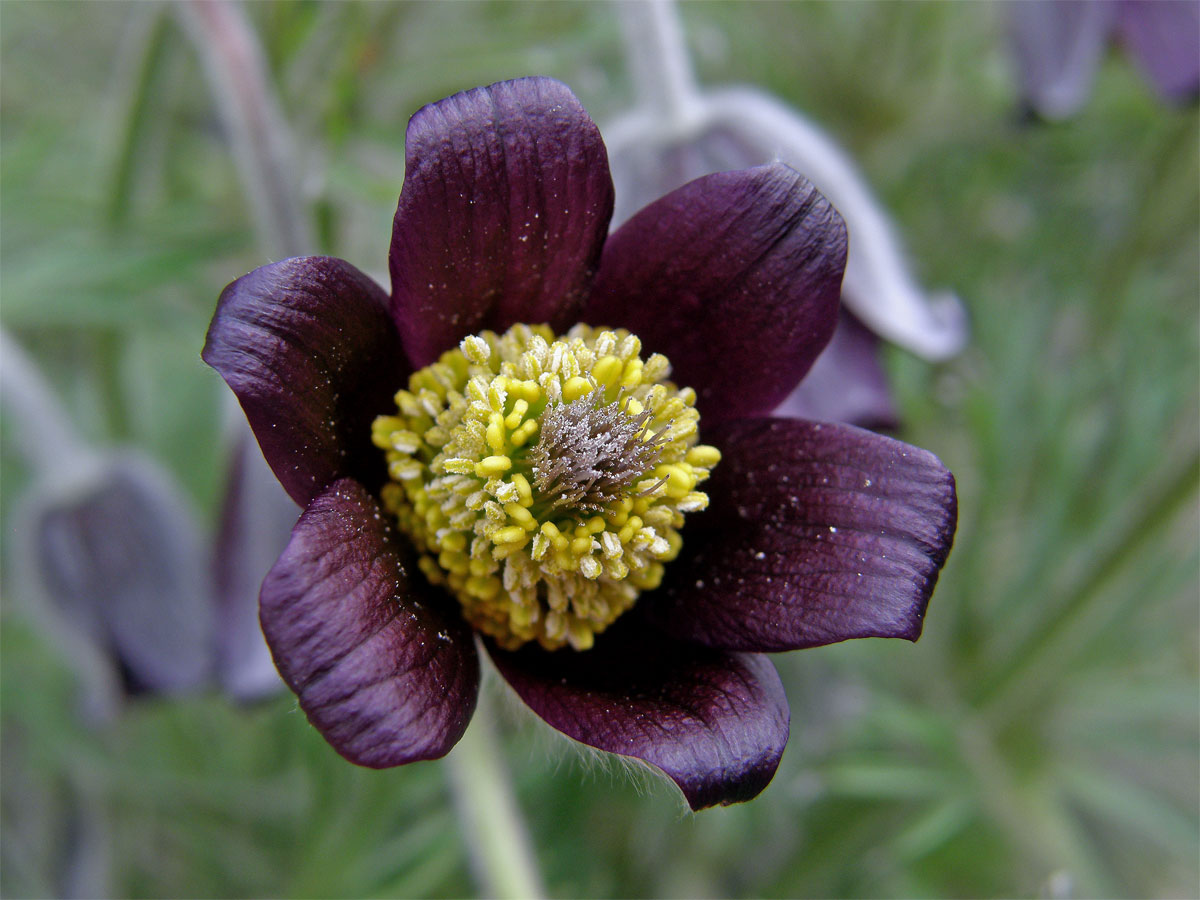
544	479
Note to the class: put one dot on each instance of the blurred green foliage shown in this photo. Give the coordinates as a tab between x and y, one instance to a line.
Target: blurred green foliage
1042	738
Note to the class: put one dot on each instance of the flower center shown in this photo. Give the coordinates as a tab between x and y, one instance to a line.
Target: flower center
544	479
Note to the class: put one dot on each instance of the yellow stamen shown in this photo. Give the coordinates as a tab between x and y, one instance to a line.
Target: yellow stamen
544	479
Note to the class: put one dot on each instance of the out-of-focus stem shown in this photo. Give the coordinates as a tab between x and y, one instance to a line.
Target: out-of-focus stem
44	432
237	74
45	437
260	142
659	62
495	833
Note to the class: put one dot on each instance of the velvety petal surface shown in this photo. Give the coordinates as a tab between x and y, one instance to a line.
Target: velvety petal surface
816	533
846	383
384	667
735	277
505	206
310	351
716	723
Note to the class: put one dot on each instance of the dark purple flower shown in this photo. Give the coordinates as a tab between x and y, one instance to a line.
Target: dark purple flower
846	383
1059	45
813	533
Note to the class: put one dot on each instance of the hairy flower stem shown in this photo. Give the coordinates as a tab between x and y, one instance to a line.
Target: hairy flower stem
44	431
494	831
62	461
260	142
237	73
659	62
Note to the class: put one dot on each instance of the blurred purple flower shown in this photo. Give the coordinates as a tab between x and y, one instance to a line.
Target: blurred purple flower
815	533
1058	46
110	563
678	132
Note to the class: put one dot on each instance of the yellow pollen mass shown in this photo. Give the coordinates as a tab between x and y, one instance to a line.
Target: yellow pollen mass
544	479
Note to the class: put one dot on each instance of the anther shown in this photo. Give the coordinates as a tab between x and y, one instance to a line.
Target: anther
544	479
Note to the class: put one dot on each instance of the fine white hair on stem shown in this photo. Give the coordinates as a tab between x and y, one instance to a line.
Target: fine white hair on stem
671	112
659	63
551	748
497	840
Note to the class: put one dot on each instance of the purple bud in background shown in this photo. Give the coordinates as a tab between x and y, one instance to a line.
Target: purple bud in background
1058	46
846	383
119	555
677	133
106	555
1163	36
110	563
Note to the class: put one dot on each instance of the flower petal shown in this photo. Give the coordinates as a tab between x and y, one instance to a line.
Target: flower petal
846	383
1058	45
735	128
880	286
1162	38
716	723
117	553
310	350
816	533
383	669
735	277
505	207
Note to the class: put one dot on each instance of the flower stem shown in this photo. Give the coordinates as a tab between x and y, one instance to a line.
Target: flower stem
495	833
44	434
237	72
658	60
